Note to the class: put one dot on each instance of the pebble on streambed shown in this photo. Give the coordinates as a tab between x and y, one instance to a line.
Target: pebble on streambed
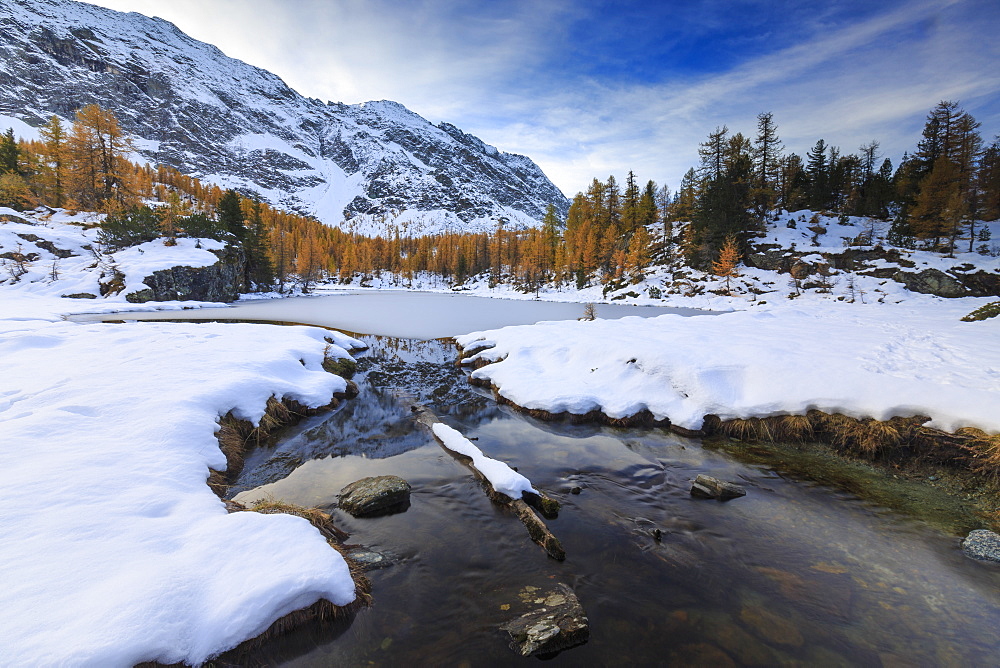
707	487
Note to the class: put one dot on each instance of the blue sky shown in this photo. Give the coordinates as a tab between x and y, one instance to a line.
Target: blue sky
596	88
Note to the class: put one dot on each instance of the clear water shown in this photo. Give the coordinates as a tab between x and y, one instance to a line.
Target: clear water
398	313
795	573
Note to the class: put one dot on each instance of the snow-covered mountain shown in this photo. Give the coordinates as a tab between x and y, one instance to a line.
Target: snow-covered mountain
372	164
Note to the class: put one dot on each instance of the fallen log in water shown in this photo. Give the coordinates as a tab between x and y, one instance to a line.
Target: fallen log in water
536	527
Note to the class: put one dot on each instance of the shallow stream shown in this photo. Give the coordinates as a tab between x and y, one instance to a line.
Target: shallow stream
795	573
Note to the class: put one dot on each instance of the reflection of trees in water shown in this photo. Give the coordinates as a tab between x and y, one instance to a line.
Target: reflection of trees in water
392	375
413	370
437	351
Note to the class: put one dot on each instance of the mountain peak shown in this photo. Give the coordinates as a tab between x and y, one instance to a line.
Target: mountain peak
372	167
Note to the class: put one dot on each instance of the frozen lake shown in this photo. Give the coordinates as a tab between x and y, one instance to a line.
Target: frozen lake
400	313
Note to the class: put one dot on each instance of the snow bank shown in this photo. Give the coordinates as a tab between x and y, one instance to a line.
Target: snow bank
860	360
115	551
503	478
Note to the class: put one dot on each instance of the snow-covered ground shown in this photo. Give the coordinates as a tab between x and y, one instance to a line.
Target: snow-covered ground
46	274
114	548
877	360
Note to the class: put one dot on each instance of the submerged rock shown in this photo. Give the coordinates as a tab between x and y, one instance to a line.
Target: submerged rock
559	623
369	560
983	545
378	495
707	487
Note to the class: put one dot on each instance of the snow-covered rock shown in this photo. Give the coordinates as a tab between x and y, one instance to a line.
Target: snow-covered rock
376	164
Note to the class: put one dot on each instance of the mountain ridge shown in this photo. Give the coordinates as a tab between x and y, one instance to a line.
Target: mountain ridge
367	167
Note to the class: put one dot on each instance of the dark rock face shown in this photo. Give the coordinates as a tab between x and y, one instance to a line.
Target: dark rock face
983	545
982	283
207	114
931	282
707	487
220	282
557	624
378	495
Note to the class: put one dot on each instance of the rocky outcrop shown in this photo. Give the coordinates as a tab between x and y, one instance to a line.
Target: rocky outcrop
931	282
959	281
378	495
220	282
210	115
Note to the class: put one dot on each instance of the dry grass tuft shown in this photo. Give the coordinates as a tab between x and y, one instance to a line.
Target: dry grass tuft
315	516
867	436
276	414
793	428
985	452
235	436
748	429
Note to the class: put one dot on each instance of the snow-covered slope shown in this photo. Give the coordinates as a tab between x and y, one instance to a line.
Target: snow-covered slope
228	122
55	253
115	550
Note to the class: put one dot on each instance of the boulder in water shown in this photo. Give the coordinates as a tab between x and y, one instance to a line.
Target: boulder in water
378	495
557	624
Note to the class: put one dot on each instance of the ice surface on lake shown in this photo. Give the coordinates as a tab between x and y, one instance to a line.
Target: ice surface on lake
415	315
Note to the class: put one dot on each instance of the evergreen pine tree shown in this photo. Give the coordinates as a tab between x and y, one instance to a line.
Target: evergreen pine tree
767	164
630	205
9	153
989	181
230	214
682	208
722	210
817	173
648	210
713	154
613	204
129	227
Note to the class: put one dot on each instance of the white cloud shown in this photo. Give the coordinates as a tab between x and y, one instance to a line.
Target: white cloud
496	70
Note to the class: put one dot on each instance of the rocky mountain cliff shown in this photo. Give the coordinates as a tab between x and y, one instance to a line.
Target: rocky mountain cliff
365	167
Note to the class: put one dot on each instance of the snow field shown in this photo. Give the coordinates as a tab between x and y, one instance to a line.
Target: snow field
861	360
115	550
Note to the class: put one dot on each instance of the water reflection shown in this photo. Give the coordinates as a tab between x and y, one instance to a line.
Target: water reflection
792	574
